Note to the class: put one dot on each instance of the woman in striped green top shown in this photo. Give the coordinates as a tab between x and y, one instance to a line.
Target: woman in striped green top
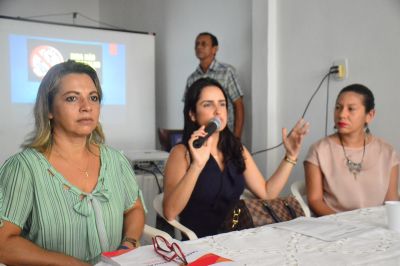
67	197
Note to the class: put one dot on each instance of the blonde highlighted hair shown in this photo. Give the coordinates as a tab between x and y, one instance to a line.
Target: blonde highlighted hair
41	137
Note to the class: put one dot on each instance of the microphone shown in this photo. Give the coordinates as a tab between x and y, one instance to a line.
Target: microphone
212	126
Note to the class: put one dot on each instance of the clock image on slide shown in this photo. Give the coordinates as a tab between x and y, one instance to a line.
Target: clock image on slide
42	58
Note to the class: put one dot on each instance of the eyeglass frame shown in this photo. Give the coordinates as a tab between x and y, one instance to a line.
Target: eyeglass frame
173	247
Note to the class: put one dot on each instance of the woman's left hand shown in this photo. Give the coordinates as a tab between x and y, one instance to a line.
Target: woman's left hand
293	142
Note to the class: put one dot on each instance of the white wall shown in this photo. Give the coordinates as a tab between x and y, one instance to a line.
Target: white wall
281	49
55	10
261	77
310	35
128	126
26	9
177	23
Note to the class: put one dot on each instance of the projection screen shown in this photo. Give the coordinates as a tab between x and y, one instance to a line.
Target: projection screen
124	61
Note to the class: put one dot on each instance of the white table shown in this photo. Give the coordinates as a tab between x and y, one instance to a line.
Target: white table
267	245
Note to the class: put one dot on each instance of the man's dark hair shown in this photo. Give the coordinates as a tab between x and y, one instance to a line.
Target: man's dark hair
214	40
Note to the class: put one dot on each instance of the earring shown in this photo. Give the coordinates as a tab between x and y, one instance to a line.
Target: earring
50	136
367	129
335	127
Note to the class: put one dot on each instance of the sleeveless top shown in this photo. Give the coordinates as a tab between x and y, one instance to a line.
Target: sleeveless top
214	193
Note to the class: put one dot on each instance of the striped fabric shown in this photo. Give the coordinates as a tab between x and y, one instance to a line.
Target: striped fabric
226	75
56	215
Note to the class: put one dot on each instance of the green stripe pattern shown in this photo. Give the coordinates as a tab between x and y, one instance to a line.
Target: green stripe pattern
58	216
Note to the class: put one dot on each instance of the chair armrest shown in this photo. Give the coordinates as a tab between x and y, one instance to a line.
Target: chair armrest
189	233
247	194
149	232
157	204
298	189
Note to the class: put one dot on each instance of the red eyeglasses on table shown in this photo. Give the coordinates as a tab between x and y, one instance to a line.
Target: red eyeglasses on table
169	251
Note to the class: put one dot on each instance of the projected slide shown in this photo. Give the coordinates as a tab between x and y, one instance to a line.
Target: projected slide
31	57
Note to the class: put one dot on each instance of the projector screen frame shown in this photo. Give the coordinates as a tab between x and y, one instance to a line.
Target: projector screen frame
141	120
74	25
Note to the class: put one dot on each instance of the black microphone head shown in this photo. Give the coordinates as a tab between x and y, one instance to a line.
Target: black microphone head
211	127
217	121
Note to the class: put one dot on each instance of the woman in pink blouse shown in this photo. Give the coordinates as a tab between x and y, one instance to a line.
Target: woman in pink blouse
351	168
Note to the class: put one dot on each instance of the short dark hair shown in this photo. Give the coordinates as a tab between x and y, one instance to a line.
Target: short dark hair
214	40
369	100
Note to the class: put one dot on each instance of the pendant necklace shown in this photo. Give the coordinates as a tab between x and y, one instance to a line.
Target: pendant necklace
80	170
354	168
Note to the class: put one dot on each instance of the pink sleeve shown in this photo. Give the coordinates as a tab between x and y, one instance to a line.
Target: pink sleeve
394	158
312	155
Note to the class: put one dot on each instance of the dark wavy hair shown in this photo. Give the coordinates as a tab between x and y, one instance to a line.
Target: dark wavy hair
369	100
228	144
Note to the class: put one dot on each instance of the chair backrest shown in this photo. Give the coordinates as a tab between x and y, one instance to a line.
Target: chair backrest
298	189
169	137
158	207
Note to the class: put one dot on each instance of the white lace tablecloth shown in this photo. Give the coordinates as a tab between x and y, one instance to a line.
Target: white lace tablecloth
274	246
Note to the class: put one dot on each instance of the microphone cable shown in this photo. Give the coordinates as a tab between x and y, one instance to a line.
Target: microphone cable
332	70
137	167
327	106
160	172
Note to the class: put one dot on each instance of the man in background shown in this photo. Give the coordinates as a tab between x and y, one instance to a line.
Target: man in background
206	48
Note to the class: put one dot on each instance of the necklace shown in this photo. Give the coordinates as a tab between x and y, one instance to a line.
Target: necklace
85	171
354	168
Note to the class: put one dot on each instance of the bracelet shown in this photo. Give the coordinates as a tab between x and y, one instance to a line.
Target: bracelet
291	161
133	241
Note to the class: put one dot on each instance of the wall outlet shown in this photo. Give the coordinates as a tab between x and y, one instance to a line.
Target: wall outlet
343	69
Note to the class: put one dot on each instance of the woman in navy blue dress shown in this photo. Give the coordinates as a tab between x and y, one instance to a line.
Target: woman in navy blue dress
201	184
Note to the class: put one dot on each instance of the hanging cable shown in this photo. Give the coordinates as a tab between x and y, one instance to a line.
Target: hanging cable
99	22
157	168
50	15
327	106
332	70
137	167
74	16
